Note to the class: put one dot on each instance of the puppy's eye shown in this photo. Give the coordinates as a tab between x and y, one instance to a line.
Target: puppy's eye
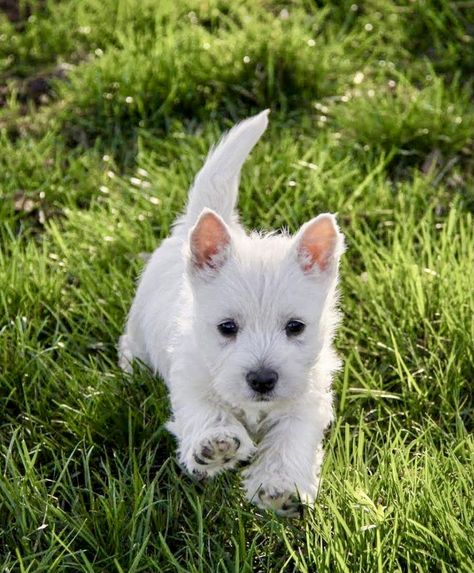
294	327
228	328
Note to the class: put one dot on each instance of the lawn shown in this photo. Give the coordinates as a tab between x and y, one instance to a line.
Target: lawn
107	109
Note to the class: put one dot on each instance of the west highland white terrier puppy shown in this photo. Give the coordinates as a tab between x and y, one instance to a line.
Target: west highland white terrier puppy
240	327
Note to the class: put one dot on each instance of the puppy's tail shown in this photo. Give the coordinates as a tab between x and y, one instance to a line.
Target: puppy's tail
216	185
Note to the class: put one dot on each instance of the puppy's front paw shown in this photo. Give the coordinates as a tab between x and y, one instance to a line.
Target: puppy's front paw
278	491
218	450
284	503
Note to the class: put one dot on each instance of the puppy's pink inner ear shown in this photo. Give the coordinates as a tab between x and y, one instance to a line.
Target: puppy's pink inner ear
317	243
209	241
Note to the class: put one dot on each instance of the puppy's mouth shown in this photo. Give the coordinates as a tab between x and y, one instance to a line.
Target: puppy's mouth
257	397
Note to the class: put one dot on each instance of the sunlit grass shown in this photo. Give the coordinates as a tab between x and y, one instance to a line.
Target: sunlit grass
372	118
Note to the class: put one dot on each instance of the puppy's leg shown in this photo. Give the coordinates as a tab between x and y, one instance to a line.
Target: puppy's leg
210	438
126	353
285	472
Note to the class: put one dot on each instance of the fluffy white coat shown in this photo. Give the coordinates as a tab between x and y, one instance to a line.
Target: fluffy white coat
209	272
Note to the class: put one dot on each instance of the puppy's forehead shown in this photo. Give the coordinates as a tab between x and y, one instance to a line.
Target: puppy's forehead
262	277
262	265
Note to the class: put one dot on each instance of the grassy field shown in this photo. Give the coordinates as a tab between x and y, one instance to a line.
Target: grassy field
107	109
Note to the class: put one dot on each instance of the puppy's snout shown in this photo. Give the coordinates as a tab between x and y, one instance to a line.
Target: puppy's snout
262	380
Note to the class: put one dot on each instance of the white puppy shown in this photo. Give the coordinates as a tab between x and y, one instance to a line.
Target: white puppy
240	327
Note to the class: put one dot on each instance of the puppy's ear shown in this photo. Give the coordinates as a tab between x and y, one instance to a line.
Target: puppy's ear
319	244
209	242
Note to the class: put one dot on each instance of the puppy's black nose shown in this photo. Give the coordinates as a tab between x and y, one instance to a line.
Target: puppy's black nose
262	380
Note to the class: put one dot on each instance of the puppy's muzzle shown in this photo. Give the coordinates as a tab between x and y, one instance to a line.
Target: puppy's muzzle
262	380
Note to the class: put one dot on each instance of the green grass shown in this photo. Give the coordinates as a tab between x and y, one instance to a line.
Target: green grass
372	118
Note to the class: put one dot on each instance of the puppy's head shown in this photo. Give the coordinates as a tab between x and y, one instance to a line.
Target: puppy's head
263	306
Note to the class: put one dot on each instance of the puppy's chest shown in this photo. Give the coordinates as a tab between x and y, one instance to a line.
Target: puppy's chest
253	420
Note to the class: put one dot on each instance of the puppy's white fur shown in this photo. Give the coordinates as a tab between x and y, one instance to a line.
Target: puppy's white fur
208	271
